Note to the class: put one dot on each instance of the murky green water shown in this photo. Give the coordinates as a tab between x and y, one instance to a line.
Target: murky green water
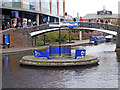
104	75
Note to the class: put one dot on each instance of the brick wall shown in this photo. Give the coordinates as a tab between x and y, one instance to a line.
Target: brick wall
19	38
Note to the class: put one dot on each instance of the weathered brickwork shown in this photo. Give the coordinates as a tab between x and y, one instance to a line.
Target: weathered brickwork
19	38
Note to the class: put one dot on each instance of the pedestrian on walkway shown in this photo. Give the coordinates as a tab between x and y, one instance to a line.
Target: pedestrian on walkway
106	22
5	28
19	25
101	20
74	19
34	23
14	24
25	24
89	20
97	21
81	20
8	25
3	25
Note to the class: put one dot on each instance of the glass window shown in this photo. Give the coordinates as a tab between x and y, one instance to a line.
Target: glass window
26	4
16	3
46	6
7	3
35	5
60	7
54	7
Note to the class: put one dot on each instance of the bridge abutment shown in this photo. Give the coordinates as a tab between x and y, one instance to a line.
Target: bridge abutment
19	38
118	41
118	45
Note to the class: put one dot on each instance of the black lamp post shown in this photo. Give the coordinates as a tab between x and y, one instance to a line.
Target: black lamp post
59	42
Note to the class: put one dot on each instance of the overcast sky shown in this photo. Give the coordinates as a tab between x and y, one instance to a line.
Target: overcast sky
90	6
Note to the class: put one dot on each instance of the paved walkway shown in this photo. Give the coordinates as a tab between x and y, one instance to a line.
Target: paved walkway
13	50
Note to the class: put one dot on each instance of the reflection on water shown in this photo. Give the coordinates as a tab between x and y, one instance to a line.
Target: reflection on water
104	75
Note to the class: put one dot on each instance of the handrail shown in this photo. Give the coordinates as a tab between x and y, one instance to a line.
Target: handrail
81	24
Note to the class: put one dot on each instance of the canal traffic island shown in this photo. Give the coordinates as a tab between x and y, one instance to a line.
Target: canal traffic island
31	60
57	55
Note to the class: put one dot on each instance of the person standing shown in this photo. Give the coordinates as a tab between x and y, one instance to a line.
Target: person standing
101	20
5	28
14	25
19	25
106	22
3	25
25	24
34	24
89	20
8	25
81	20
97	21
74	19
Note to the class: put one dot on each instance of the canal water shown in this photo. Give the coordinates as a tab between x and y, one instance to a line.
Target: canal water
104	75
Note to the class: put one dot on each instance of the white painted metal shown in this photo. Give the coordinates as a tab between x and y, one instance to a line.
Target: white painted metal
43	31
80	35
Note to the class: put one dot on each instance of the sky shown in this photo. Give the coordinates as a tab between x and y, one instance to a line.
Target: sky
84	7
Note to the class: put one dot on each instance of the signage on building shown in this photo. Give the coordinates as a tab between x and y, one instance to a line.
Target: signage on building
7	39
46	19
15	14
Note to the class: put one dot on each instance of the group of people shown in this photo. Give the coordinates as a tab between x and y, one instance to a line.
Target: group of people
99	21
15	25
96	20
8	25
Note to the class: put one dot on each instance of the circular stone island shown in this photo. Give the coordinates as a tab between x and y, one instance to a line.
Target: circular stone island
59	61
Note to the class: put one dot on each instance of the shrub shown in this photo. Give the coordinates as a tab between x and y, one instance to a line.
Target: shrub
54	36
40	43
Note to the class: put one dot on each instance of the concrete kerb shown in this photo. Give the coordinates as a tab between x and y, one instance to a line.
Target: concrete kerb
60	65
59	61
65	62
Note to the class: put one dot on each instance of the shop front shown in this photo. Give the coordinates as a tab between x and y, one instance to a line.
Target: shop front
11	17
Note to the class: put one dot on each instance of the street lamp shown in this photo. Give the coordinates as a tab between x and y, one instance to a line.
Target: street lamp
59	26
59	38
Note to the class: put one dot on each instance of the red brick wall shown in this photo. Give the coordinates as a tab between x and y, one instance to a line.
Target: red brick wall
19	38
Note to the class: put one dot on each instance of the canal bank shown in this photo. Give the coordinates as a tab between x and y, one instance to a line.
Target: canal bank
20	50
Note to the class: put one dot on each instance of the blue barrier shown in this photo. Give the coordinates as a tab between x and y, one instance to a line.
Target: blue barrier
39	54
80	53
65	50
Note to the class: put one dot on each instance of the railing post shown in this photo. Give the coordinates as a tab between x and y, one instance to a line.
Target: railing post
44	39
35	41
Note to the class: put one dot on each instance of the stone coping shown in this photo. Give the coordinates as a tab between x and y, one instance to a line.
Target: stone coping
88	60
58	60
